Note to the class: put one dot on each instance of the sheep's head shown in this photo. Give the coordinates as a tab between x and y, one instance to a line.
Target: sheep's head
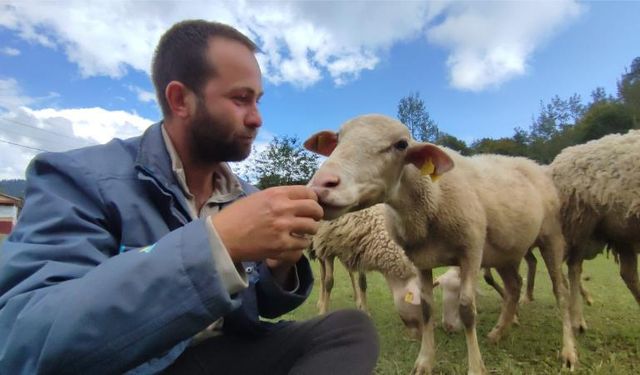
365	162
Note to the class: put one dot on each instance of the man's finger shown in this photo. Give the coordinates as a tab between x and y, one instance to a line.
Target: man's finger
300	192
308	208
302	227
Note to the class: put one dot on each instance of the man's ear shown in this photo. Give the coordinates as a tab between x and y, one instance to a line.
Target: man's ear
322	143
430	159
177	95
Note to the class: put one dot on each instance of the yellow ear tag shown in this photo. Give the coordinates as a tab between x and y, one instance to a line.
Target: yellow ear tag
408	298
429	169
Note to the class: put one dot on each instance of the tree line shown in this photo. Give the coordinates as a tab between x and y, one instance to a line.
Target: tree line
560	123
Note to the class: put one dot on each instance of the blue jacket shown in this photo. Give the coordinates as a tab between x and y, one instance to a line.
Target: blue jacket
106	273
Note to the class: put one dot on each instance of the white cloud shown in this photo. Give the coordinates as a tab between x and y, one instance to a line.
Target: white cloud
11	95
303	42
10	51
143	95
491	42
25	131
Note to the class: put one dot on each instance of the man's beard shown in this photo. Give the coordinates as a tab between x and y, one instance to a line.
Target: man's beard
211	141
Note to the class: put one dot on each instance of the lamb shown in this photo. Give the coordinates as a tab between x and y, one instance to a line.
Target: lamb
599	187
450	284
361	242
488	212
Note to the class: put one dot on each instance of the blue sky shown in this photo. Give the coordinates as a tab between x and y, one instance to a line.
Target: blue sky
74	73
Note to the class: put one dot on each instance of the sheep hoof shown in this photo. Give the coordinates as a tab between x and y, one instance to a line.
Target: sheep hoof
420	371
421	367
588	300
525	300
494	336
579	327
569	359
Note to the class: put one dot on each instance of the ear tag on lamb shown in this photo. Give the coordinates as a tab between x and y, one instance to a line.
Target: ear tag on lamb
429	169
411	298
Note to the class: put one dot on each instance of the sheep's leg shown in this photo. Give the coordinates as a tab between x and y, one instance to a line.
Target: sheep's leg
321	293
513	285
629	271
488	278
552	252
575	304
359	290
426	356
468	285
362	287
327	283
532	264
586	296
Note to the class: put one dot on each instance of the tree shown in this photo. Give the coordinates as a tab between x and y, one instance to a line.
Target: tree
629	90
502	146
284	162
604	118
555	116
412	113
599	95
453	143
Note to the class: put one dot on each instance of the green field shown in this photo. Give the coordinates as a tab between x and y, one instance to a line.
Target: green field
610	346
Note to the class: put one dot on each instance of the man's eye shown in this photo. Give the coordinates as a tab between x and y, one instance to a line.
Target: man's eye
401	145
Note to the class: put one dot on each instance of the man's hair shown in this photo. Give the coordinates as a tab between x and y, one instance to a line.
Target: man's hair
181	55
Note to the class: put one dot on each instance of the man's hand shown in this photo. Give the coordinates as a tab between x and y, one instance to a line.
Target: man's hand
276	223
281	268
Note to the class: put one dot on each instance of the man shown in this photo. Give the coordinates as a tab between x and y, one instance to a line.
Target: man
148	255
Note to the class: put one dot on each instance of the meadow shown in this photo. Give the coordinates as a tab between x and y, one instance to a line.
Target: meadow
610	346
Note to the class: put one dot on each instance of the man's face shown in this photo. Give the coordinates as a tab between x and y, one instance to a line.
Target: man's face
226	118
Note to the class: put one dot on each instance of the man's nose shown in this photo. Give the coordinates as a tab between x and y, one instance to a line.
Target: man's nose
254	118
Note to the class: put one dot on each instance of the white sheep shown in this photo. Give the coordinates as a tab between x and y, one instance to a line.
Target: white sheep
449	282
599	186
488	211
361	242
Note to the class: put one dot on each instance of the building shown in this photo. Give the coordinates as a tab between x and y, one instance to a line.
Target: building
9	211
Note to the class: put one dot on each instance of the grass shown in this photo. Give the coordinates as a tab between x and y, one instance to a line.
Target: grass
610	346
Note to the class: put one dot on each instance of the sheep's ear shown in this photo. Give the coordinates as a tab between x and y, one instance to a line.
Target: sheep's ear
322	143
430	159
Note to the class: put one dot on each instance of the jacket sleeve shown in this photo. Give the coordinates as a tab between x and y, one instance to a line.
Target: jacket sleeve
274	301
69	303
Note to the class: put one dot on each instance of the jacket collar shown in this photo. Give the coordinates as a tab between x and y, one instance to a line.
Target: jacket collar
153	157
154	161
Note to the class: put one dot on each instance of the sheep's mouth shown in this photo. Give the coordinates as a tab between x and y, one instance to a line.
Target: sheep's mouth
333	211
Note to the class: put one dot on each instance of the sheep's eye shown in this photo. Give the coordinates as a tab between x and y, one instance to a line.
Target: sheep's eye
401	145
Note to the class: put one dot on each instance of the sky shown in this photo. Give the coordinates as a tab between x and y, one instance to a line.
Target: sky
76	73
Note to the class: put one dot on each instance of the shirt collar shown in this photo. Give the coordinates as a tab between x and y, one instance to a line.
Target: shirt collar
226	186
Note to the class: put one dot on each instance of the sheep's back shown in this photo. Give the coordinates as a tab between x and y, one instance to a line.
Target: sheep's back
601	176
360	240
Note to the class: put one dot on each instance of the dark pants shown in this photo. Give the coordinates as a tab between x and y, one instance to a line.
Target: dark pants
343	342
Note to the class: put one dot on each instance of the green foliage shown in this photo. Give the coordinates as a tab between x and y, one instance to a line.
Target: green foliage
604	118
453	143
413	113
629	90
284	162
556	116
502	146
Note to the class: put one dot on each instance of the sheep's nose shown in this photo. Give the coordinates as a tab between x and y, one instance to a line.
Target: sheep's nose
326	180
